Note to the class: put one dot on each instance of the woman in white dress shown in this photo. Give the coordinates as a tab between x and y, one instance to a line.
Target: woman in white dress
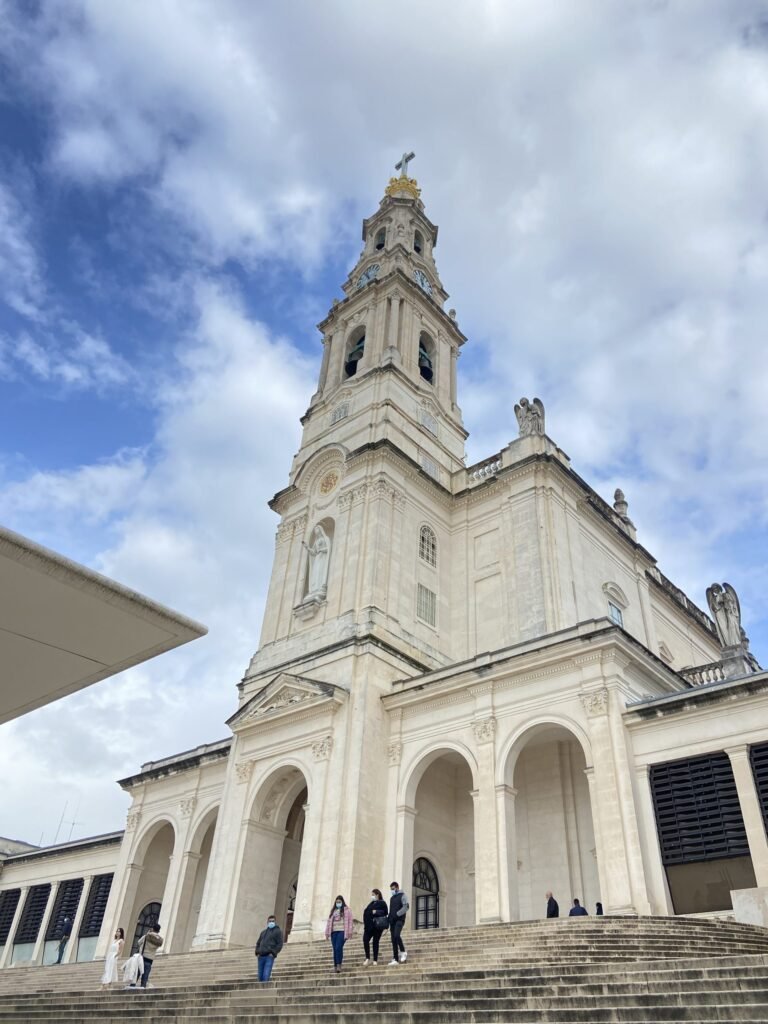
110	976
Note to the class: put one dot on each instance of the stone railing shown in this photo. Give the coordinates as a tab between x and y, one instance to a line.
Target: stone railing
483	470
712	673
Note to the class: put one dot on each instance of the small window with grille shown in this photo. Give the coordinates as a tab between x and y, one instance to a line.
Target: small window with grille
9	901
428	546
426	605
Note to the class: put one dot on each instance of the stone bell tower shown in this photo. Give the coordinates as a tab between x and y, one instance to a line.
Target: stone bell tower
385	409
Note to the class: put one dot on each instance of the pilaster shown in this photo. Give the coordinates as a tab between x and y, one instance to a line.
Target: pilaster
37	952
7	953
77	921
751	811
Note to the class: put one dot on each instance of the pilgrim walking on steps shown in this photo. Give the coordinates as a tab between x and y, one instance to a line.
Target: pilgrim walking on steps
339	928
553	907
398	908
375	920
268	945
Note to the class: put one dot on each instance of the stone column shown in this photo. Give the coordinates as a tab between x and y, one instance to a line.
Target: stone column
37	952
69	953
509	897
404	829
174	933
454	358
5	956
486	830
171	902
620	867
391	859
658	892
123	890
315	876
324	365
224	864
751	811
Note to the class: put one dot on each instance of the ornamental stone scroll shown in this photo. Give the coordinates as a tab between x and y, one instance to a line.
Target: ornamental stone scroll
395	753
321	749
243	771
133	821
595	702
484	729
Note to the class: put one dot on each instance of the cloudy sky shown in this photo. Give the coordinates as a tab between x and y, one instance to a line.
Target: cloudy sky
181	189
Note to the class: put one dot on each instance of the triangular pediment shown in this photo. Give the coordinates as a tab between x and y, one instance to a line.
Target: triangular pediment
286	694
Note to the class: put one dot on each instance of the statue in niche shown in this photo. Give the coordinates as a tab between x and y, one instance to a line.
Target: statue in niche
724	606
319	551
530	417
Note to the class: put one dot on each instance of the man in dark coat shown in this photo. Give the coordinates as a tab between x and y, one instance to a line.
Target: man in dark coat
268	945
553	909
66	931
577	910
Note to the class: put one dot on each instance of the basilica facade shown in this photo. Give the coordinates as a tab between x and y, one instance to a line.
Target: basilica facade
472	679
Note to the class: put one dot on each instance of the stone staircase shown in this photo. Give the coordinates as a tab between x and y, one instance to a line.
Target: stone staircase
570	970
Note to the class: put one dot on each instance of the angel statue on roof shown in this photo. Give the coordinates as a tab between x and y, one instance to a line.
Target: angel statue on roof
530	416
726	611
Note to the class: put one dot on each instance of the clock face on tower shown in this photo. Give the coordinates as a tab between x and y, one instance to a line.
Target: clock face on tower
422	281
369	274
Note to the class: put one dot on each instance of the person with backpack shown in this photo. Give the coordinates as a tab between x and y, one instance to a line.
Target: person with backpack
268	945
338	929
375	920
149	944
398	908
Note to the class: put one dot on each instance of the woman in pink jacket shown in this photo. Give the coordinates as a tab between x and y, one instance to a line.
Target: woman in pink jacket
338	929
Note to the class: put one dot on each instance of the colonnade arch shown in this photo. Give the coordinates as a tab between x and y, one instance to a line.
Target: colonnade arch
549	826
271	854
150	866
194	875
438	824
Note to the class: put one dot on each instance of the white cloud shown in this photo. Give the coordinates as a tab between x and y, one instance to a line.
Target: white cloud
76	361
21	276
600	177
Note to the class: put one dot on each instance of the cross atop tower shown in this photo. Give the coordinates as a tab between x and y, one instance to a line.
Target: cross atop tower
403	165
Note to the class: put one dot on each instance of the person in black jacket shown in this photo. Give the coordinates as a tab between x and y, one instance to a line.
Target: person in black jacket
66	931
553	908
375	920
268	945
398	908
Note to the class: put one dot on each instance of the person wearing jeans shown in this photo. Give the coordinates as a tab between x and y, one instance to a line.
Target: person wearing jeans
148	946
268	945
66	931
398	908
338	929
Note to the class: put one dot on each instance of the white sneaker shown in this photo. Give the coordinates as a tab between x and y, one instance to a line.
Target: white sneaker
366	963
403	957
375	963
392	963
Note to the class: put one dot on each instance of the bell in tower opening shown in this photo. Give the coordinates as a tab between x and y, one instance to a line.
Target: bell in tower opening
426	357
356	350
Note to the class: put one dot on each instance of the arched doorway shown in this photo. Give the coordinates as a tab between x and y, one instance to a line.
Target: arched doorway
553	840
154	855
148	917
271	855
425	894
442	784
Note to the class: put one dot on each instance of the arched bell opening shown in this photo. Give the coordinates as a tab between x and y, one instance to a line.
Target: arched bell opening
355	351
380	240
418	242
426	357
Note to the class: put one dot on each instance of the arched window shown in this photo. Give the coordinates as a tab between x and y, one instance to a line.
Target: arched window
426	890
381	237
149	916
428	545
426	357
617	602
355	351
418	242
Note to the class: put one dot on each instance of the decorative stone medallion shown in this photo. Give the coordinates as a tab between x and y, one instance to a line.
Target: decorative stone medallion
329	481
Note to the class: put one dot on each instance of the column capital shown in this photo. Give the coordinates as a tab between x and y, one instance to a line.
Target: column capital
406	810
507	790
738	753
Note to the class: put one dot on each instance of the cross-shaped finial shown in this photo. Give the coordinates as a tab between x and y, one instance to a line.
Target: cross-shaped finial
403	165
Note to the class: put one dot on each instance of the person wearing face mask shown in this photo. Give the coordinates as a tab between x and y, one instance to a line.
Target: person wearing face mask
375	920
338	929
398	908
269	944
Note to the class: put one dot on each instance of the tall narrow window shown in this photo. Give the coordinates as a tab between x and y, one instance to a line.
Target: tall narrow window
381	237
418	242
426	605
428	545
616	614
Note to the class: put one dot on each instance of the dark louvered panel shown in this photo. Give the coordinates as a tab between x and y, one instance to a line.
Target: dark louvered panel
758	756
65	905
698	816
32	914
96	905
9	900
